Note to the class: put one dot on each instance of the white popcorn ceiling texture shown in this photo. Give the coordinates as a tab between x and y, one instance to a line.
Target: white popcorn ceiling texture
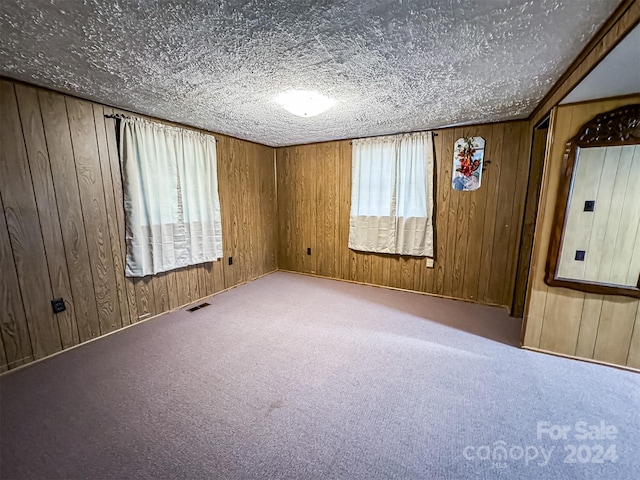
392	65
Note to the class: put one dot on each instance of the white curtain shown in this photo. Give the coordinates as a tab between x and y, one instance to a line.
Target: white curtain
171	199
392	195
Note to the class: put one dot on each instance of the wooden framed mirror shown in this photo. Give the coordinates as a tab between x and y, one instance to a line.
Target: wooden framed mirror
595	242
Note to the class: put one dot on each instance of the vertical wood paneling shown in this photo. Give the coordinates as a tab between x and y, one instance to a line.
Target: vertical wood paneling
615	329
326	208
517	213
564	305
161	293
205	279
227	167
344	206
85	149
283	178
244	235
395	271
253	251
268	208
21	215
58	137
218	275
562	335
320	175
460	219
490	180
41	177
146	302
407	272
183	288
172	290
261	209
590	326
225	190
301	226
473	247
292	247
528	226
451	218
331	155
588	330
111	216
500	267
537	291
3	357
257	230
13	322
442	195
62	226
194	284
235	164
311	187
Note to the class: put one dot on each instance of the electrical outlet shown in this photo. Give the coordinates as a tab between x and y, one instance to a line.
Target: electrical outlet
230	260
309	251
58	305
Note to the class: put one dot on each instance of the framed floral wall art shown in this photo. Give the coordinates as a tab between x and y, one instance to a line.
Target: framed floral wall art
468	160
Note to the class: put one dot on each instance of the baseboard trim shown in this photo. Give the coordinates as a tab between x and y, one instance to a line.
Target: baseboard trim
581	359
428	294
143	320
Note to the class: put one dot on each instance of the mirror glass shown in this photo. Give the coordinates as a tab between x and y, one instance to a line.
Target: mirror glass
601	241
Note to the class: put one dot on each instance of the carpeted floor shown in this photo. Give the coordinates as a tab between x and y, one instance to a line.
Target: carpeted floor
294	377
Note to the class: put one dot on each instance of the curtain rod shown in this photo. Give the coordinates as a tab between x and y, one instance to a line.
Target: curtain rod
117	116
423	131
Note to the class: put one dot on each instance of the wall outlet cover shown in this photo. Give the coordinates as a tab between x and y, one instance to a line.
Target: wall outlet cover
57	304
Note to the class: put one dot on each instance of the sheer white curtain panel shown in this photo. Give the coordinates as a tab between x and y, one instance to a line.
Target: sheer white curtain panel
171	201
392	195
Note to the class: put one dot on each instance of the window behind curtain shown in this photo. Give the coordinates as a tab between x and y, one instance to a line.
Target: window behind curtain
392	195
171	199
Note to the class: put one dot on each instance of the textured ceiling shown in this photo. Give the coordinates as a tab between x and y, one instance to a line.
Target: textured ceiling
392	65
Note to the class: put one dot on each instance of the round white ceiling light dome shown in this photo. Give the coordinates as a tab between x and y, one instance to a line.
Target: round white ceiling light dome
304	103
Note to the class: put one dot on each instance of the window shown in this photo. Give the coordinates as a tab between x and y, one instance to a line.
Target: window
171	199
392	195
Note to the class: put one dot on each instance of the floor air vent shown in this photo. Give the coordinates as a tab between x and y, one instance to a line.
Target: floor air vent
198	307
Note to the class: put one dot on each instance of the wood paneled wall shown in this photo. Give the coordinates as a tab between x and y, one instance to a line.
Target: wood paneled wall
62	226
598	327
530	212
477	233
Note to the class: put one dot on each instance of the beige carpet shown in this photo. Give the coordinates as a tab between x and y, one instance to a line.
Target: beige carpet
293	377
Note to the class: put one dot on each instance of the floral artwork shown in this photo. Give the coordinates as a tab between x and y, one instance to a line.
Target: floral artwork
468	159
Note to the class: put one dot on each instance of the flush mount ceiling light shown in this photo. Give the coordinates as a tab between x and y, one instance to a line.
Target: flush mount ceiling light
304	103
